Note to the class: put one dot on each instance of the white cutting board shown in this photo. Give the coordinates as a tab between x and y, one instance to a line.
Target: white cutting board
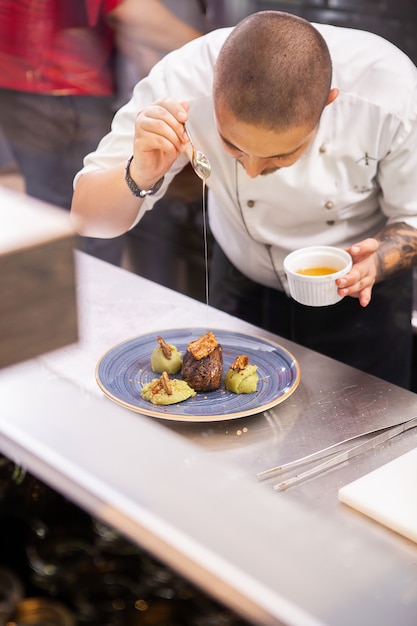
388	495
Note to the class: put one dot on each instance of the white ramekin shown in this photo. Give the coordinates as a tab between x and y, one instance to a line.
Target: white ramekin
316	290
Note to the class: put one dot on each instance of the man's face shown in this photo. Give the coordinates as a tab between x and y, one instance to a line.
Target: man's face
261	151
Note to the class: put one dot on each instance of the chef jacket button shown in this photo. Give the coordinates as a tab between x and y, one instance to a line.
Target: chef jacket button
322	148
329	205
330	223
251	203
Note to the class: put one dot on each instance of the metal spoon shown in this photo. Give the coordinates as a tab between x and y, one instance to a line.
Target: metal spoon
199	161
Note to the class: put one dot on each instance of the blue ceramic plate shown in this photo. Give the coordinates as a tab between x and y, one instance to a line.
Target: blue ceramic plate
126	367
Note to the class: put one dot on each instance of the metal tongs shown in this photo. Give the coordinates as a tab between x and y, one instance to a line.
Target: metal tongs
336	457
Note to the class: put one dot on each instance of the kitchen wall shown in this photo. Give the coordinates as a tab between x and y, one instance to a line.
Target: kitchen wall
396	20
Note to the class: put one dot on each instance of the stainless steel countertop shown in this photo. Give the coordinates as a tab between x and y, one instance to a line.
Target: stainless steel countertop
189	492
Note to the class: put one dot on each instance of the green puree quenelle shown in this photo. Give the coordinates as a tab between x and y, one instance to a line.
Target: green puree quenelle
166	358
241	377
167	391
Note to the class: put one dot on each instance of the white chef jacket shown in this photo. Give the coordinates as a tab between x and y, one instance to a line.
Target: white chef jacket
359	172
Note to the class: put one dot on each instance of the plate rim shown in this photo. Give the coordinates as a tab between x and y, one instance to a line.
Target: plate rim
198	418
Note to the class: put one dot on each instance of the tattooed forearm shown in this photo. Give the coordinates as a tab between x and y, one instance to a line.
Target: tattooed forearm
397	251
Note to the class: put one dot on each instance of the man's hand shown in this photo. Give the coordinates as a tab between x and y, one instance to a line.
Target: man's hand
392	251
160	138
359	281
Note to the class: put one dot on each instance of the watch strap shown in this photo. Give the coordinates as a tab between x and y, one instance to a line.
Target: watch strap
140	193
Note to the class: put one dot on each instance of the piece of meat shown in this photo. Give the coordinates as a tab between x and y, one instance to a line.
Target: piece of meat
204	374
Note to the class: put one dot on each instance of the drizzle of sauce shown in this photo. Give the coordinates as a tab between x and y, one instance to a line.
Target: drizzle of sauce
206	268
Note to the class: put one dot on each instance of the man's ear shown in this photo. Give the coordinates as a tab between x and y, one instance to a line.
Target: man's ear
333	93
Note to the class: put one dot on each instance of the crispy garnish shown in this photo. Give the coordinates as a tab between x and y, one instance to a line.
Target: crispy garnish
239	363
166	383
162	383
203	346
165	347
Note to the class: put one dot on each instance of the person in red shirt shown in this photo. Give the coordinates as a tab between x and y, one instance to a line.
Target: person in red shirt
58	84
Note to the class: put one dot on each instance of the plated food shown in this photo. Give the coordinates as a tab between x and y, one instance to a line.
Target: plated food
125	369
242	376
201	370
165	357
202	366
165	391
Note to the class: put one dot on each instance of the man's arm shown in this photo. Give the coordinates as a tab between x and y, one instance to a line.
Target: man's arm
102	204
140	24
397	250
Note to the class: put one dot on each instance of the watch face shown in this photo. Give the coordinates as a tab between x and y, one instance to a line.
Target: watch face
148	192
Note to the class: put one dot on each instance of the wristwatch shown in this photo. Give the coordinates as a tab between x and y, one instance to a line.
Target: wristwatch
140	193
